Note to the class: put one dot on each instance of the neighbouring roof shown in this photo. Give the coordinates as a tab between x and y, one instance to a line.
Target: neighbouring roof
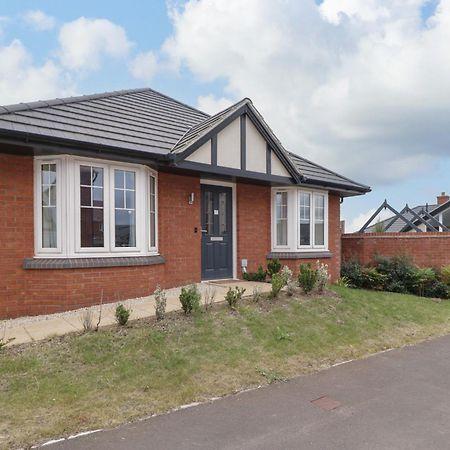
143	120
399	224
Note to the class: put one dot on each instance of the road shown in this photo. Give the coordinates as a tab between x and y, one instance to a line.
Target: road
394	400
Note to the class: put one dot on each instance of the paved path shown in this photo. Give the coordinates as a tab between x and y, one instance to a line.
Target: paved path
29	329
394	400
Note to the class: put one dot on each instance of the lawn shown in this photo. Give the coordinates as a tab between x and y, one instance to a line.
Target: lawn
96	380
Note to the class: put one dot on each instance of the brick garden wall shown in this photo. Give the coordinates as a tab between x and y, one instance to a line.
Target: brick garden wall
425	249
31	292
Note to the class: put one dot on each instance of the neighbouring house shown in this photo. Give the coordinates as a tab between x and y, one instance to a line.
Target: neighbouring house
105	196
428	217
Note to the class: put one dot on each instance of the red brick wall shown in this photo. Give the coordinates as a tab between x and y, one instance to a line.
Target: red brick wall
425	249
29	292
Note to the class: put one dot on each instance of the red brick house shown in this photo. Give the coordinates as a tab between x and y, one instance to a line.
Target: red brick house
110	194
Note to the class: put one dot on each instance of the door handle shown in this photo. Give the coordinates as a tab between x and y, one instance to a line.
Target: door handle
204	231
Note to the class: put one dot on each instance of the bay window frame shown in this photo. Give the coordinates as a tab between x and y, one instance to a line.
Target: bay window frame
69	214
294	220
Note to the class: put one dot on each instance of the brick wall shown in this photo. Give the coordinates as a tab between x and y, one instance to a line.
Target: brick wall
30	292
425	249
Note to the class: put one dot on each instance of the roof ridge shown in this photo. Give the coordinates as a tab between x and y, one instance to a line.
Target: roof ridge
328	170
5	109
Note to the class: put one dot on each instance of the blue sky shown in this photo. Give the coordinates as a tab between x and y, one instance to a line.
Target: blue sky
361	88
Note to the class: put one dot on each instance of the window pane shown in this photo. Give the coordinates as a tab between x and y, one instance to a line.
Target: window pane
91	207
319	236
125	228
49	227
305	218
85	175
92	227
222	213
125	213
209	219
319	219
152	212
48	193
281	222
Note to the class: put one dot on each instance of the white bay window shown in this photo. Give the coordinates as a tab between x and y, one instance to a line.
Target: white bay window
300	220
87	207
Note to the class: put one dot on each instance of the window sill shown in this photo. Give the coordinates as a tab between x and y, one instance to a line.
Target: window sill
318	254
86	263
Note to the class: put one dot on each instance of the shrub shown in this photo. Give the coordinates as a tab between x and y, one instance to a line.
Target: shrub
208	297
273	266
352	272
423	278
400	273
278	283
160	302
322	276
233	296
344	282
291	287
436	289
307	278
372	279
445	275
122	315
286	274
87	317
259	275
257	294
190	298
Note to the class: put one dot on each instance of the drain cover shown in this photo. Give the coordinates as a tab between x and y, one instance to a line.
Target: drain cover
326	403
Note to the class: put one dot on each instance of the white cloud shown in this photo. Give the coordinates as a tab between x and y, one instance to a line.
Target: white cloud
39	21
212	105
361	219
144	66
359	86
21	80
84	42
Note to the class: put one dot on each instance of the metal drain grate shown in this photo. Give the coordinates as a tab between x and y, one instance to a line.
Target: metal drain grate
326	403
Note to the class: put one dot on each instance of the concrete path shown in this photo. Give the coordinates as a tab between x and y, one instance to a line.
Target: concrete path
395	400
29	329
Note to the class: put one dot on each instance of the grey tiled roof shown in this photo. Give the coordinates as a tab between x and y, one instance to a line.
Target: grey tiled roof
399	224
314	173
142	120
139	119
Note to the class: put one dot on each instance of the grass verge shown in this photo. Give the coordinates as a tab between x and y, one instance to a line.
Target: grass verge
97	380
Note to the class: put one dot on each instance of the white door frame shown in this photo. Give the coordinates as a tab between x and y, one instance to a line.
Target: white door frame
233	214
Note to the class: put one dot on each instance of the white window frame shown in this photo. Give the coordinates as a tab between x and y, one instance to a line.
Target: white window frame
294	220
274	219
68	209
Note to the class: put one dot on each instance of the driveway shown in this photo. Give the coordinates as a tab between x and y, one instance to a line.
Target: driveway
394	400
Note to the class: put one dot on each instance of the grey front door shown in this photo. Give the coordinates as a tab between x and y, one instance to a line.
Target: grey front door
217	233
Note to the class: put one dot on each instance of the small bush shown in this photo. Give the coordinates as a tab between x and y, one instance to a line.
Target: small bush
307	278
400	273
291	287
190	299
352	272
122	315
322	276
286	274
344	282
233	296
278	283
273	266
259	275
445	275
160	302
208	297
436	289
372	279
257	294
87	318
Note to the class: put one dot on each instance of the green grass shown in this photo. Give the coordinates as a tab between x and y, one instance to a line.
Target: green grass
96	380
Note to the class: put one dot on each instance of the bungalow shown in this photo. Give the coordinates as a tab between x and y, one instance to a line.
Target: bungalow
104	196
